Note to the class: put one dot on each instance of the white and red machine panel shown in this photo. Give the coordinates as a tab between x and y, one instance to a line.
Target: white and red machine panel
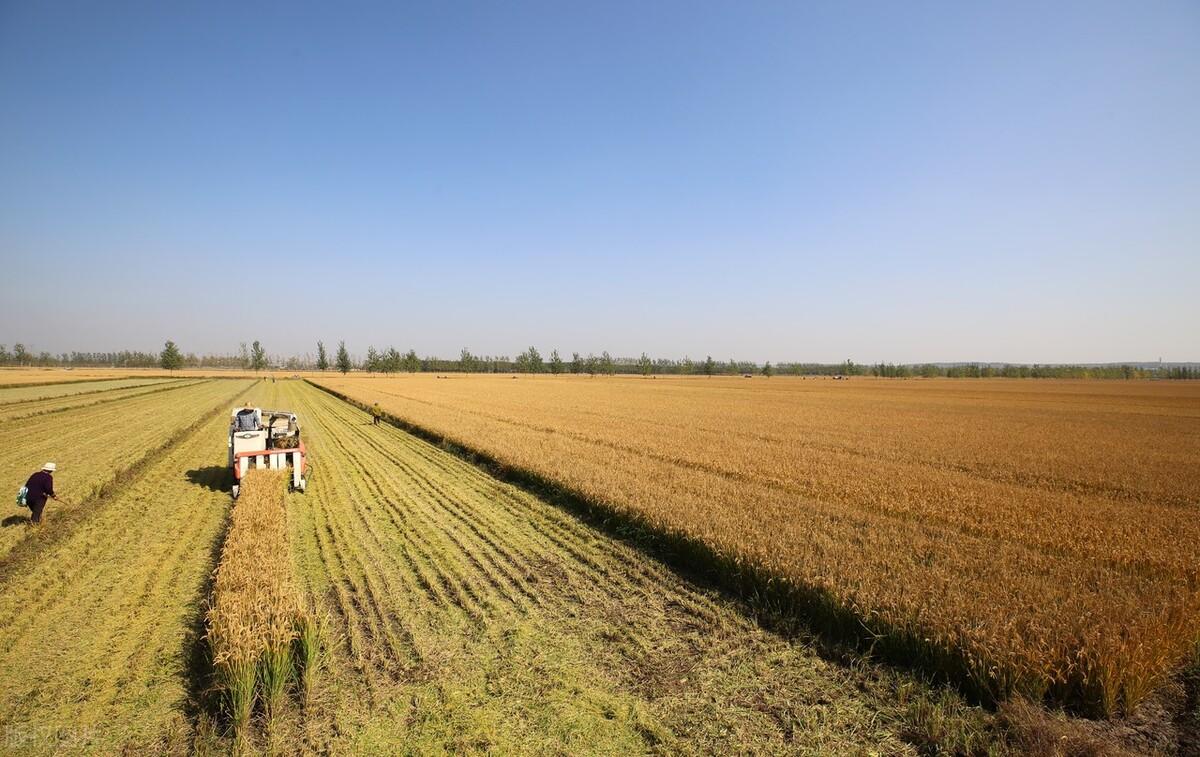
266	439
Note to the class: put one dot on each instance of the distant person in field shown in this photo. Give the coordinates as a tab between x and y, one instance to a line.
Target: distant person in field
41	488
376	414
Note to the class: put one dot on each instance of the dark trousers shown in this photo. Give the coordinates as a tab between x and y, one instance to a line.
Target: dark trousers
374	420
35	509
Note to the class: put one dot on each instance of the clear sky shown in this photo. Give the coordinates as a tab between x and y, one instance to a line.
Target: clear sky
785	181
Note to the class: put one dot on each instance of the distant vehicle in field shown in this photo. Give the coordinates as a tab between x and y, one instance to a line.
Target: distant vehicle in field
266	439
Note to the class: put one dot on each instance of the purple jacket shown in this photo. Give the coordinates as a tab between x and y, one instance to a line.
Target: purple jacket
41	486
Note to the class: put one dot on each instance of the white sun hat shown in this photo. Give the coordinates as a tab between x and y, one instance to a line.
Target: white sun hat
50	467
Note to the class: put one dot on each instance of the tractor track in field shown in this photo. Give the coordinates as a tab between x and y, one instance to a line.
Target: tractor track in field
470	613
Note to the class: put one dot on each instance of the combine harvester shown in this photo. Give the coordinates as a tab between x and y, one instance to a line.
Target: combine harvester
271	443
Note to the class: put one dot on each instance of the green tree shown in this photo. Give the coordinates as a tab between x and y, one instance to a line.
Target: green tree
466	361
576	363
169	358
244	355
412	363
556	363
372	364
322	358
645	365
607	366
5	357
767	370
710	366
258	356
20	354
687	367
536	364
590	364
733	367
343	358
391	360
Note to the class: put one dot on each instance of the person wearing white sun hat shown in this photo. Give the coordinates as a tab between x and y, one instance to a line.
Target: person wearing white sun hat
40	486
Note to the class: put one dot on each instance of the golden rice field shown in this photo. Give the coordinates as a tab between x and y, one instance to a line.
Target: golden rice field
410	602
1033	537
473	617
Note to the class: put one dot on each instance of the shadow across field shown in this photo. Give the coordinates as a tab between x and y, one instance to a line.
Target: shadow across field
215	478
14	520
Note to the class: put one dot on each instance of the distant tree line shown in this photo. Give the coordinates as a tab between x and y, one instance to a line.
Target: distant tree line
254	356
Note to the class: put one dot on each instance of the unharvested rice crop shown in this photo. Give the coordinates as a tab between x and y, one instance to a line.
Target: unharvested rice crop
256	607
1024	536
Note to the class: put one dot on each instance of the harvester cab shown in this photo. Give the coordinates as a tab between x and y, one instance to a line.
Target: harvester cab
266	439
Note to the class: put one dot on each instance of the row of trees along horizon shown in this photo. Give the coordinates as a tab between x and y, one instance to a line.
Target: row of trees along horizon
255	357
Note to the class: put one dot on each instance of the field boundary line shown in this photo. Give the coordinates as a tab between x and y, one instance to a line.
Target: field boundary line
775	602
101	495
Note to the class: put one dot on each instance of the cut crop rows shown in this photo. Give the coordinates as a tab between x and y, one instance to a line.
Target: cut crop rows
93	444
19	394
23	412
474	616
1023	537
98	634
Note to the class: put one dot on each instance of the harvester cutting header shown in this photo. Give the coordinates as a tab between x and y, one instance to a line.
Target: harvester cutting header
266	439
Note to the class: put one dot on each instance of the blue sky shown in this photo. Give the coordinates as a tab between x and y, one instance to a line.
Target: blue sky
891	181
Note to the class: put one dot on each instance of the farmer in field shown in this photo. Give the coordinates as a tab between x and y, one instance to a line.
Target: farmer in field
376	414
40	487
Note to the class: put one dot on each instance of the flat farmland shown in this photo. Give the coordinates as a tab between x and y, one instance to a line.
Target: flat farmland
12	395
99	629
30	377
1032	537
94	443
466	616
473	617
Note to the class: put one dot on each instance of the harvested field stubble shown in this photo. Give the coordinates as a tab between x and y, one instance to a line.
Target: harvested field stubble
1021	536
34	392
97	445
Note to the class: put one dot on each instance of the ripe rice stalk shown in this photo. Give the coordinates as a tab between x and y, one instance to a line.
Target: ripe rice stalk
252	619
